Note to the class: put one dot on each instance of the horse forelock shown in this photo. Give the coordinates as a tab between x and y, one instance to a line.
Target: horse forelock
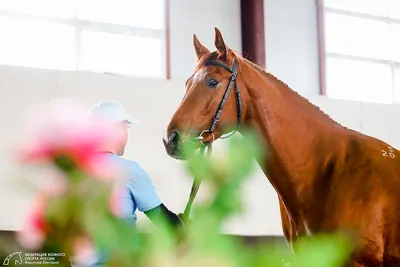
217	57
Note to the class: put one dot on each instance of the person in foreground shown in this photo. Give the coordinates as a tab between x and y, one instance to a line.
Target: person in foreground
139	193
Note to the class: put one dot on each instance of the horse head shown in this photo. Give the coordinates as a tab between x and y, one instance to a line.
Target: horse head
212	105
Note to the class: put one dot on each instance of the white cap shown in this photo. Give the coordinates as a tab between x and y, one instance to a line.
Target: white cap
111	111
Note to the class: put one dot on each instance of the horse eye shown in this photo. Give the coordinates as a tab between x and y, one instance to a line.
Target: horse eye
212	83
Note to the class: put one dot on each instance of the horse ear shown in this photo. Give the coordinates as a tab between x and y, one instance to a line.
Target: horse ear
200	49
220	44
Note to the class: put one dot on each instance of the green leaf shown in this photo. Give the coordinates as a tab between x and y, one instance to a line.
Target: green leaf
322	251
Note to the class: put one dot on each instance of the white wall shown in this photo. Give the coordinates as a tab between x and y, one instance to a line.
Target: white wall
290	33
190	17
291	43
152	101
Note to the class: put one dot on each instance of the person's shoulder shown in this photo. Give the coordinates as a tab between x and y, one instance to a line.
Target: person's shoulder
122	163
136	174
131	165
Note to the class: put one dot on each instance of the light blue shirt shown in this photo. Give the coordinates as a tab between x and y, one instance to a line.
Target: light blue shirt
139	192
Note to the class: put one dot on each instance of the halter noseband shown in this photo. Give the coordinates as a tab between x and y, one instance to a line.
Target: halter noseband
232	80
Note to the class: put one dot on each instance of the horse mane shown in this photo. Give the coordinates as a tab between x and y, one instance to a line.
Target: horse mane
280	82
214	56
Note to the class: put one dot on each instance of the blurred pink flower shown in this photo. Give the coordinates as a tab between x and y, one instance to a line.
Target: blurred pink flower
55	184
84	252
79	142
103	168
115	201
35	226
63	130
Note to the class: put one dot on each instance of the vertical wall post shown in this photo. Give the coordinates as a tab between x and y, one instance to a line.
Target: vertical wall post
253	35
321	45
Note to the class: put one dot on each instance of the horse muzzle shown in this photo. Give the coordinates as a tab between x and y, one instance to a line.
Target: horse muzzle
171	144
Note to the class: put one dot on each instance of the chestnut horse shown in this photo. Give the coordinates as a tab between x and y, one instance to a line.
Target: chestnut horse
327	177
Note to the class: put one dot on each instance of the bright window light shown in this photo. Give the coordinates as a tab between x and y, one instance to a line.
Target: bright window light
395	42
357	36
359	80
118	36
35	43
397	86
370	7
42	8
137	13
129	55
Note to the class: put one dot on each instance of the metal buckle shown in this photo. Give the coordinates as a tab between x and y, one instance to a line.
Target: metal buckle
201	138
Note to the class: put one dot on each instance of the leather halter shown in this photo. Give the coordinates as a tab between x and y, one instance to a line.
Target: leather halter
208	144
232	80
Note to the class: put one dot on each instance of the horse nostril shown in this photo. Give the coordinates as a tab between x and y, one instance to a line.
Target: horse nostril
174	138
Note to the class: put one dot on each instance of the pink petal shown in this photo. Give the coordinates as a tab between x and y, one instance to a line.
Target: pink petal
56	185
36	215
65	131
115	201
35	226
30	239
83	251
102	168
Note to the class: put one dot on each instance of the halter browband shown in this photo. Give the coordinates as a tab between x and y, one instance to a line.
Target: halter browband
232	80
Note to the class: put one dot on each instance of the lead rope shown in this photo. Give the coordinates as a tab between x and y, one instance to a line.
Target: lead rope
232	81
196	181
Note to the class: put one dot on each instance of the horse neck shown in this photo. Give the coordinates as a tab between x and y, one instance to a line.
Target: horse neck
294	131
